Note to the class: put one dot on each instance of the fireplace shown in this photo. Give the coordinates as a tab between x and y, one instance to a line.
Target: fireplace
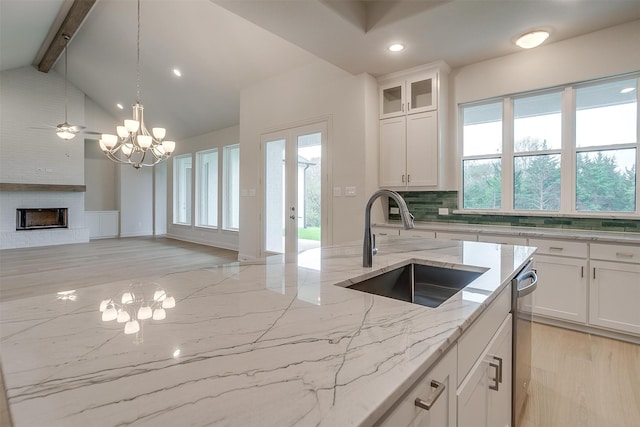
34	219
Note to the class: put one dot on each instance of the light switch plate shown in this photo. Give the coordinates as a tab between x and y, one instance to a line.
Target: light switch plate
350	191
337	192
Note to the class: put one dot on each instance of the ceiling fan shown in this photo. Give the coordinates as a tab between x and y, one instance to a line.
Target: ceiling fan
66	130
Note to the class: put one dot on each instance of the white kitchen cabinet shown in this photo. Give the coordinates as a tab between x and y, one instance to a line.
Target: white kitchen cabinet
562	288
438	387
102	224
409	150
615	288
484	397
414	94
562	280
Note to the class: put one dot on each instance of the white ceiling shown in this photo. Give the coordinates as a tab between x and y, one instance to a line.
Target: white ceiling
224	46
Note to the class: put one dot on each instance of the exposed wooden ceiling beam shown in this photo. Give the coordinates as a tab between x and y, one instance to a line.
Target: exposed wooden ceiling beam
76	15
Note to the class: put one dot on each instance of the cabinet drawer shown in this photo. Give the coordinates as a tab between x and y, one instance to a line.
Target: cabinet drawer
621	253
475	339
560	248
418	233
442	413
384	231
445	235
504	240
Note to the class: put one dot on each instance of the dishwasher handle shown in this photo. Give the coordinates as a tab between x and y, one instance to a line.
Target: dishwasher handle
531	274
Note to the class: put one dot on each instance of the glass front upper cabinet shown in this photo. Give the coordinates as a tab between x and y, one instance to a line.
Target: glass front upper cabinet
409	96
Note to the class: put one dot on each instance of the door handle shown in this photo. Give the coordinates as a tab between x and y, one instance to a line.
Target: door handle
292	216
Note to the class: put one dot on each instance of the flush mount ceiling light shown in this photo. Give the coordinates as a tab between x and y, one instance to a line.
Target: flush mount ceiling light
396	47
177	72
133	144
532	39
120	106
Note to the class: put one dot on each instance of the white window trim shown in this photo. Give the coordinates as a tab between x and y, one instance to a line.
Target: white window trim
567	153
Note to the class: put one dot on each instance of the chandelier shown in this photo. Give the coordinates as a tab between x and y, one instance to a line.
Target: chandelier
132	307
134	144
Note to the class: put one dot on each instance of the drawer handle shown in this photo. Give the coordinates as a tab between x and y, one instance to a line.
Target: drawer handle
496	385
499	359
427	404
555	248
624	255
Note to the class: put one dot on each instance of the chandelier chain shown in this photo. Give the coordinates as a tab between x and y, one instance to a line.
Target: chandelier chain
138	59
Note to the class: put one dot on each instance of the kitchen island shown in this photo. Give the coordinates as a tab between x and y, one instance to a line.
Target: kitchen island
274	342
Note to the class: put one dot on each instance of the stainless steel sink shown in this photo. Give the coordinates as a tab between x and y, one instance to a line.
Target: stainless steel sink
417	283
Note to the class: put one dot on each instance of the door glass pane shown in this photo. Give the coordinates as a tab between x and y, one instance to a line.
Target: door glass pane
482	129
482	184
606	114
231	187
606	181
536	182
421	95
308	194
274	196
537	122
182	189
391	100
207	192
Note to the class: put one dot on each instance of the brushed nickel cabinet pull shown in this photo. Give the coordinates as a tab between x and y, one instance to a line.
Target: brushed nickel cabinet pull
427	404
555	248
403	178
402	107
594	272
624	255
408	178
582	271
499	359
496	385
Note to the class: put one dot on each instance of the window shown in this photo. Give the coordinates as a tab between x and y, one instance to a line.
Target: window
182	189
570	149
537	143
482	154
231	187
207	188
606	145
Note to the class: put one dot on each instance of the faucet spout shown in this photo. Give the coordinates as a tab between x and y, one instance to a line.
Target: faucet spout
405	215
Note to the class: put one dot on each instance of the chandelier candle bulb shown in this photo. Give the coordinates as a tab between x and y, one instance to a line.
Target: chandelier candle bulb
122	131
127	149
123	316
109	314
131	327
169	302
159	133
103	305
144	141
127	298
159	314
159	295
132	126
144	312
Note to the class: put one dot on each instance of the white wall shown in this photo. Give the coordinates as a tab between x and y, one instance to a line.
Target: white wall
317	91
608	52
206	236
136	201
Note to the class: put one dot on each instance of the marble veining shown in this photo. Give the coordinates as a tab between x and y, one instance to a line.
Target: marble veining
273	342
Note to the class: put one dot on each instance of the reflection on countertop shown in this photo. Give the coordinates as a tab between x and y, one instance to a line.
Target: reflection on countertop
271	342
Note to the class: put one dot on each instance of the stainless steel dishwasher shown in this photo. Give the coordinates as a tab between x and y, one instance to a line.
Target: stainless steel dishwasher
523	286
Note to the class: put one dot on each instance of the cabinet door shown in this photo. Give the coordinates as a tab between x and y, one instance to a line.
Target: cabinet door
422	149
562	288
615	293
392	99
443	411
422	93
393	152
484	397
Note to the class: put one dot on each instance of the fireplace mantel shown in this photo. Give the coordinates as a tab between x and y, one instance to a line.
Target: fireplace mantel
9	186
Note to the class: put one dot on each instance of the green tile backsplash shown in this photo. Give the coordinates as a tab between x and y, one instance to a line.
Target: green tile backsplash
424	207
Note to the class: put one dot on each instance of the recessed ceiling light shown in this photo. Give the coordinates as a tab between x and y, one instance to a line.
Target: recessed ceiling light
120	106
628	89
532	39
396	47
177	72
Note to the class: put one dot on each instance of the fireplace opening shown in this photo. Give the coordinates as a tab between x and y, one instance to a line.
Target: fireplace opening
32	219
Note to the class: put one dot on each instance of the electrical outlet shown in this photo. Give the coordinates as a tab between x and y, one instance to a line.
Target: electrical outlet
350	191
337	192
443	211
394	211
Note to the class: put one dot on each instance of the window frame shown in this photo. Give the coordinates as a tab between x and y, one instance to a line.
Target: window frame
200	182
227	194
176	188
568	153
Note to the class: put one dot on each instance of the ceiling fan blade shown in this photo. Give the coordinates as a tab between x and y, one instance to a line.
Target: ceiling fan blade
76	128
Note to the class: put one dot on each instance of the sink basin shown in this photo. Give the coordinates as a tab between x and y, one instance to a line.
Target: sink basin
417	283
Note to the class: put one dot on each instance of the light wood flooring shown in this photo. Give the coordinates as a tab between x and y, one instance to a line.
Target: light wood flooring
578	380
582	380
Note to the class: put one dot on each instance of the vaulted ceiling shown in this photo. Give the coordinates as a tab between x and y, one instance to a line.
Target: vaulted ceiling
224	46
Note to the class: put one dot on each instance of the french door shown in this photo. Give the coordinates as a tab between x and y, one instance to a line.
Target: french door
294	174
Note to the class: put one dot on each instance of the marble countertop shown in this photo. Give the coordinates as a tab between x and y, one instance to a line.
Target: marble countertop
594	236
272	342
